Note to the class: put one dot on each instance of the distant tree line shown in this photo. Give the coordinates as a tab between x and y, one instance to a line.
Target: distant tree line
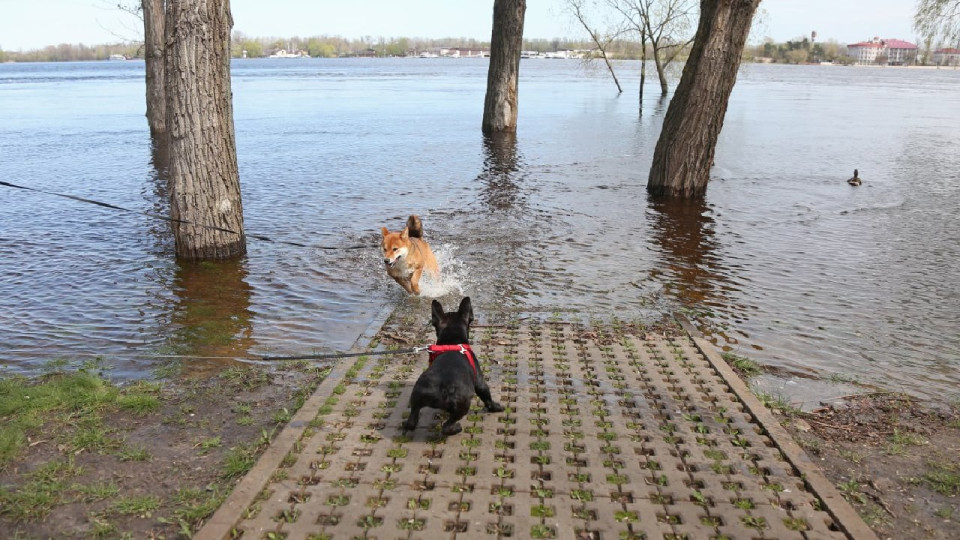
799	51
315	46
71	53
337	46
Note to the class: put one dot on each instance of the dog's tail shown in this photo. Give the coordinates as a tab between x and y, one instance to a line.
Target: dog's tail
414	227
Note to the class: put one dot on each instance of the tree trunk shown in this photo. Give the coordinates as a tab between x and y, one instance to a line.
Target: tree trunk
153	14
204	182
506	41
643	69
661	71
691	127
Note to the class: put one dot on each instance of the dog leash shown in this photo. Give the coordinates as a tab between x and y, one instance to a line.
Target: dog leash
343	355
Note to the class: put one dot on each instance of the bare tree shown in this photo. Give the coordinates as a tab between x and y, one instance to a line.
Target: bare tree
153	47
939	20
691	127
601	40
506	41
665	24
204	181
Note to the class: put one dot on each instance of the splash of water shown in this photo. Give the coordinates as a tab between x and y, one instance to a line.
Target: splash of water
452	278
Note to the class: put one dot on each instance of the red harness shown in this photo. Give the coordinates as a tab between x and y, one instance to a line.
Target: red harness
464	348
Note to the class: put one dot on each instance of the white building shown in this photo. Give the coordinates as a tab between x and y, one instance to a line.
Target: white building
946	57
895	52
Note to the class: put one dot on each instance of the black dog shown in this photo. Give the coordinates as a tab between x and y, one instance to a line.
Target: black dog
454	374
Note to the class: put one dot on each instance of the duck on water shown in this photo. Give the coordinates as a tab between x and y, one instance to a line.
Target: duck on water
855	179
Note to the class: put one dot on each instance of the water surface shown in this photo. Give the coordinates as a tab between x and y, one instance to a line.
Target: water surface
783	261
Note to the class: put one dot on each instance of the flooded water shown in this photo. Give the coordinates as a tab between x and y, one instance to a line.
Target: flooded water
783	261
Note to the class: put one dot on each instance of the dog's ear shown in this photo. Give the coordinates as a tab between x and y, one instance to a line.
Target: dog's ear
437	313
466	310
384	231
405	233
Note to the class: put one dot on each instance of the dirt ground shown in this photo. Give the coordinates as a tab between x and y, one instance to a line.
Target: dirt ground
897	461
160	474
152	475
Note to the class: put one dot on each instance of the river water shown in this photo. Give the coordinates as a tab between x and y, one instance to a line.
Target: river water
783	261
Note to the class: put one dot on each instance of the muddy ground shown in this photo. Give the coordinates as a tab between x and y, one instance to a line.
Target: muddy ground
160	474
896	460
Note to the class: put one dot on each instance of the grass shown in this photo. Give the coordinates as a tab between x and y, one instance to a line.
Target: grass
942	477
73	412
142	506
26	404
45	488
776	402
745	367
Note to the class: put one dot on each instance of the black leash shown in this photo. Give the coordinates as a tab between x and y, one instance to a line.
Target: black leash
170	219
342	355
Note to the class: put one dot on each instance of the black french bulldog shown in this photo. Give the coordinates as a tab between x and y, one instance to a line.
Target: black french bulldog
454	374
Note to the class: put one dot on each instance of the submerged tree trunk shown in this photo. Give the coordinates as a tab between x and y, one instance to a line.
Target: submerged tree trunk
506	41
661	72
691	127
153	23
643	69
204	182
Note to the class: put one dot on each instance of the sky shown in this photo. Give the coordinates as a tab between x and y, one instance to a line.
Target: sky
34	24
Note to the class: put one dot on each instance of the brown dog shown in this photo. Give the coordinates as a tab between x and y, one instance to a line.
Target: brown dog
406	255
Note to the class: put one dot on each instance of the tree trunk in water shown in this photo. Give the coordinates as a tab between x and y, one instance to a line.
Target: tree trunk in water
643	69
204	182
661	72
500	105
691	127
153	14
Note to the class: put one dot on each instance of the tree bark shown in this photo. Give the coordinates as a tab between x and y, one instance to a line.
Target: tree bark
153	23
204	181
506	41
691	127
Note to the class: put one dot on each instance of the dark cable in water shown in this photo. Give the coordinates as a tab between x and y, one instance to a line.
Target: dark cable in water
172	220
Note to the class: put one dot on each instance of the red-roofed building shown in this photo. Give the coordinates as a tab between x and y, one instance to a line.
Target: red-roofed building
946	57
892	52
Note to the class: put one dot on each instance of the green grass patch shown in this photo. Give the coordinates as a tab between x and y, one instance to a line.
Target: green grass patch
139	403
238	461
944	478
45	488
26	404
745	367
142	506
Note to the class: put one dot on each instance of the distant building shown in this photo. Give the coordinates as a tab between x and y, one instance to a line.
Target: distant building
946	57
463	52
892	52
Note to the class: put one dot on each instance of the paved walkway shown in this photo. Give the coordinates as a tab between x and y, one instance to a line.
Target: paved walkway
606	436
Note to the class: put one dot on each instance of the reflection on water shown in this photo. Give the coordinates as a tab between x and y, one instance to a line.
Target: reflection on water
783	261
683	230
501	164
211	316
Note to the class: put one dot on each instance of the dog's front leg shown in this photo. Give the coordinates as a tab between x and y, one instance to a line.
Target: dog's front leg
415	281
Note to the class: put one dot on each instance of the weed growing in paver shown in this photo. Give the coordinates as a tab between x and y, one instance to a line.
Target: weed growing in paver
542	531
796	524
754	522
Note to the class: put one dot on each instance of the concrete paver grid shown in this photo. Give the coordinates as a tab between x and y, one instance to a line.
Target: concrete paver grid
602	438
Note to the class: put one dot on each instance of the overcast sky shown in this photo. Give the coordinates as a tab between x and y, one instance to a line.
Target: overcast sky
33	24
